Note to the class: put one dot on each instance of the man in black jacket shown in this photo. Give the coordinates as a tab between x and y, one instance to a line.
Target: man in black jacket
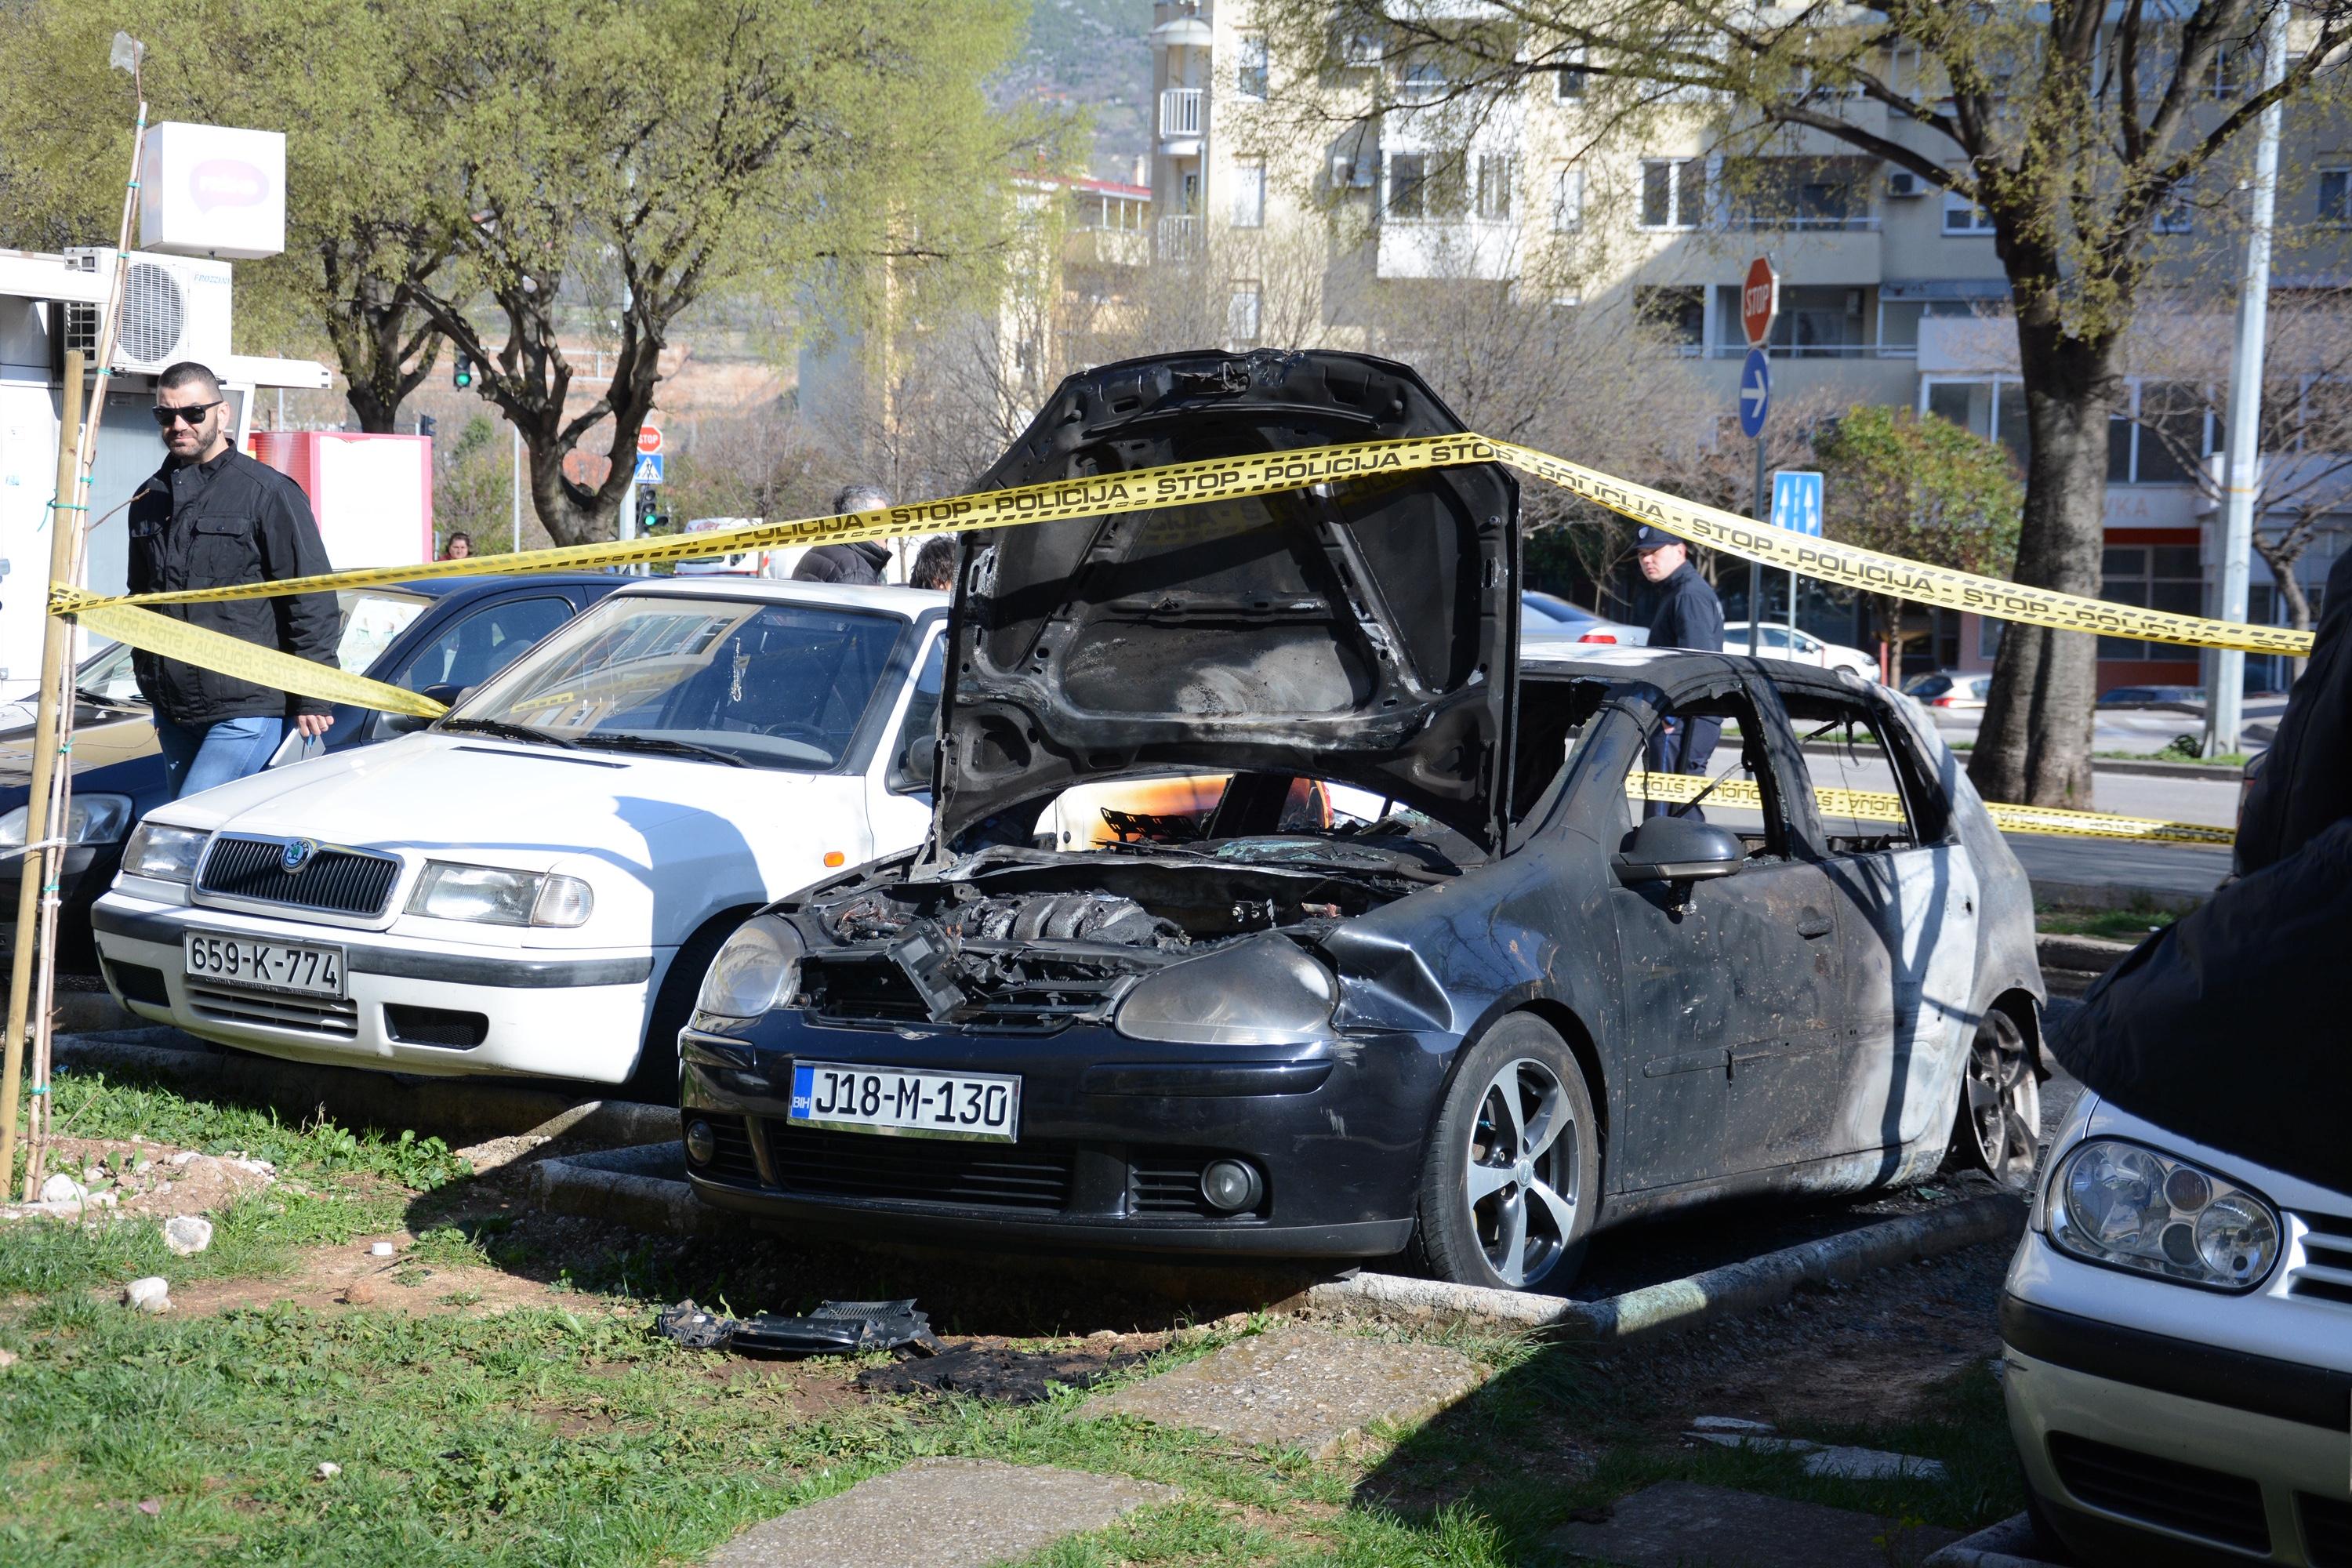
2304	783
213	518
1686	613
859	563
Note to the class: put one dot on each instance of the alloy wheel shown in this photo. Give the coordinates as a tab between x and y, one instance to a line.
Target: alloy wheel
1522	1187
2002	1102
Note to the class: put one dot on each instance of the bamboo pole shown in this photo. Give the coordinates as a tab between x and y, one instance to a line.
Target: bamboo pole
56	640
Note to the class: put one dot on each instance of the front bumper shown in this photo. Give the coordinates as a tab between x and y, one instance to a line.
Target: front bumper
2146	1448
574	1015
1112	1137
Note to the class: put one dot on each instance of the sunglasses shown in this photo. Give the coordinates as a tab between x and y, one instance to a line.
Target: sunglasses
192	413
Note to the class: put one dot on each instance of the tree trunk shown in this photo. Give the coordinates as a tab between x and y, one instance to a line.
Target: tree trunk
2283	560
2034	745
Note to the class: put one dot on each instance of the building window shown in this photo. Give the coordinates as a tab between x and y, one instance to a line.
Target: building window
1994	408
1673	191
1494	172
2336	195
1567	80
2168	577
1679	313
2173	433
1249	194
1408	185
1567	200
1962	216
1250	70
1421	82
1816	321
2176	215
1241	314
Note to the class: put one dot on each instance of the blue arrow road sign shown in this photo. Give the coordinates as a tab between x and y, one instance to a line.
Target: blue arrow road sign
649	467
1755	393
1797	502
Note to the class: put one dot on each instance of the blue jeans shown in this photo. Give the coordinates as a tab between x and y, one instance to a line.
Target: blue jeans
198	756
1681	746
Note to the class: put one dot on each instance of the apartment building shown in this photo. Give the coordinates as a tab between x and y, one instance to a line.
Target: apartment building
1891	291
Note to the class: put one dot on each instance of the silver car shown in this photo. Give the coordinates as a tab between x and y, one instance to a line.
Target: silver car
2177	1352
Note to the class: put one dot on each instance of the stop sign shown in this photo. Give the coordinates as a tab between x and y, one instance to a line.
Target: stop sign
648	440
1759	301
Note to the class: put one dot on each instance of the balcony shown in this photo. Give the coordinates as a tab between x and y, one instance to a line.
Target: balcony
1178	237
1179	120
1484	250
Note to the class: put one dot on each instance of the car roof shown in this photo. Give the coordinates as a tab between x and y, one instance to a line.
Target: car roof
1668	666
907	602
448	587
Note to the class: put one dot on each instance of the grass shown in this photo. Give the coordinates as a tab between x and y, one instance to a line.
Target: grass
566	1433
2116	925
2177	755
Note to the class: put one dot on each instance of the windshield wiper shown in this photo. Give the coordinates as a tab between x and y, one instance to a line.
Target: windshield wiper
625	742
506	731
100	700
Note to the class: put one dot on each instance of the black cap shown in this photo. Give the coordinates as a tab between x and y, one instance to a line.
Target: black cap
1648	538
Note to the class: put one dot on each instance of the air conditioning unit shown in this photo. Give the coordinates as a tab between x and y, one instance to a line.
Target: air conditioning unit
1904	183
174	308
1349	173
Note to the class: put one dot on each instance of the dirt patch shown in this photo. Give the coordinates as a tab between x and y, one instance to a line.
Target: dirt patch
348	1278
1864	1353
995	1369
136	1176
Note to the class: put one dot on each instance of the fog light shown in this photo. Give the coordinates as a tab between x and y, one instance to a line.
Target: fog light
1231	1185
701	1143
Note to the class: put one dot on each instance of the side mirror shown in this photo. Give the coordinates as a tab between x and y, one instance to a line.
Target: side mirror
407	723
918	762
1679	850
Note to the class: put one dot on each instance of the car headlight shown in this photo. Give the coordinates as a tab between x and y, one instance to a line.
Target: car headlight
2126	1205
90	819
1260	992
758	967
167	854
492	895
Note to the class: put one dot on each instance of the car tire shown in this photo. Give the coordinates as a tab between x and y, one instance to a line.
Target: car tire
1996	1128
655	1080
1511	1179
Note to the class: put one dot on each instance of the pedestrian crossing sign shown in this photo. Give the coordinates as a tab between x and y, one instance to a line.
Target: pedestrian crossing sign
649	467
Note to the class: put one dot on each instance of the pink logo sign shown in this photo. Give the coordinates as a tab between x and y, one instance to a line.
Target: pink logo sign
226	182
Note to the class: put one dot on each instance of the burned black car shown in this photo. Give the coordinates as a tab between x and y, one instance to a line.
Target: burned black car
1426	972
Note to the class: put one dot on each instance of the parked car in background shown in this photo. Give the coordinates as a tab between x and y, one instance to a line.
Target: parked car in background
1547	617
536	883
1392	1019
2177	1348
440	635
1949	689
2187	698
1799	647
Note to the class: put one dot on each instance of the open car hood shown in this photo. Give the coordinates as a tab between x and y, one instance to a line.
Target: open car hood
1364	631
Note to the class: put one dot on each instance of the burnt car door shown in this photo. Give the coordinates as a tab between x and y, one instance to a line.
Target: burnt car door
1908	902
1731	986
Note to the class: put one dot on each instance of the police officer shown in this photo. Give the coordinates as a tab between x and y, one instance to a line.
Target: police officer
1686	613
213	518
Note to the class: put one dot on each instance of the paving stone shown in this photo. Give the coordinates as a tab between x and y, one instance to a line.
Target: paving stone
1681	1524
2009	1544
940	1514
1297	1388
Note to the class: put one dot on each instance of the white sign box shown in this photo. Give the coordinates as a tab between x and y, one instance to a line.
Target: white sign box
210	190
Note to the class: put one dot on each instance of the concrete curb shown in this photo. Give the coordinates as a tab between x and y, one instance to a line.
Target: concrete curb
637	1187
460	1110
2071	966
641	1188
1731	1290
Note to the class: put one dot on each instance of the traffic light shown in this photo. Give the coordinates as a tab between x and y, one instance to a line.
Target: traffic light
647	505
461	375
427	425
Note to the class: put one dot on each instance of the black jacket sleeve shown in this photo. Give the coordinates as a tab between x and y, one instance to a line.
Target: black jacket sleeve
2306	782
309	625
818	565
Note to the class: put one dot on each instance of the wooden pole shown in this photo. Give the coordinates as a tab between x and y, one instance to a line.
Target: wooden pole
56	645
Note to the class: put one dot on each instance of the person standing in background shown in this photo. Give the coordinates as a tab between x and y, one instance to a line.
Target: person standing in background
1686	613
856	564
213	518
460	547
934	564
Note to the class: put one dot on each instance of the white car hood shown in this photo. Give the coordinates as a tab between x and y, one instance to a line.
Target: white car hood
505	803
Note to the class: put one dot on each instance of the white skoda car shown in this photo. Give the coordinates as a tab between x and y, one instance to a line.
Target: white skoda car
536	883
2177	1339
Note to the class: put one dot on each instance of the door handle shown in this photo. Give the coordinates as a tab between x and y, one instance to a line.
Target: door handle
1812	923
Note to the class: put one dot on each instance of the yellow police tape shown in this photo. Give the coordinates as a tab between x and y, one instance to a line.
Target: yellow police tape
1873	805
128	618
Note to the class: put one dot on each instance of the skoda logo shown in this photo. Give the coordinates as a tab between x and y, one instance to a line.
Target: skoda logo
297	854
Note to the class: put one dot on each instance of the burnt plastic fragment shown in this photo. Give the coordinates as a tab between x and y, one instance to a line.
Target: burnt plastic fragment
836	1328
930	964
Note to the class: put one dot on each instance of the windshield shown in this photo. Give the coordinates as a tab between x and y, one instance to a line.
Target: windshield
1539	611
107	676
372	619
773	685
